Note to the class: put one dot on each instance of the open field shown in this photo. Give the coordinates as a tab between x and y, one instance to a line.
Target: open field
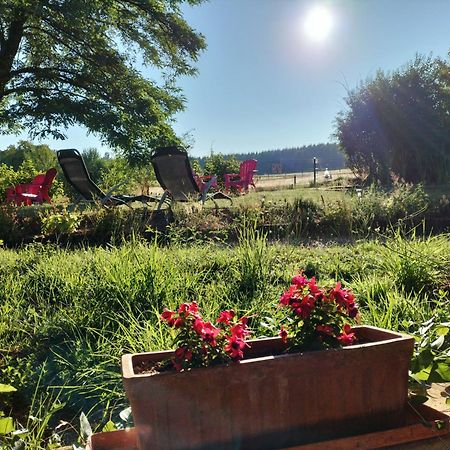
291	180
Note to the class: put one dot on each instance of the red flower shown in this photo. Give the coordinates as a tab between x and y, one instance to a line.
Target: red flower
207	331
187	309
300	280
347	337
235	347
226	316
239	330
283	334
198	326
167	316
178	322
289	295
307	305
210	333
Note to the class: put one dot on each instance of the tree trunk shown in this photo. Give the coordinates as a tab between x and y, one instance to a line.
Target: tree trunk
9	46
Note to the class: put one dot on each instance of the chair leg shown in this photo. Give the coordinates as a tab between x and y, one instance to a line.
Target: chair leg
163	200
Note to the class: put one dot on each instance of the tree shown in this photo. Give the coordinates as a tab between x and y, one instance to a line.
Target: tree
94	163
76	61
41	156
399	124
219	165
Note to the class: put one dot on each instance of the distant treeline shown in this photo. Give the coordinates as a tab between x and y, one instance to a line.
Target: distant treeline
292	160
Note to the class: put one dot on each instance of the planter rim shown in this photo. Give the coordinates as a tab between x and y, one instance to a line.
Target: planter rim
128	366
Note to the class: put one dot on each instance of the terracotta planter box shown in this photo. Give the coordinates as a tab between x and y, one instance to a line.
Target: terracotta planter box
267	401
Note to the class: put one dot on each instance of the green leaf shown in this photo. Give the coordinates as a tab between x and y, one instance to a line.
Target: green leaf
442	331
110	426
443	369
85	426
422	375
6	425
7	388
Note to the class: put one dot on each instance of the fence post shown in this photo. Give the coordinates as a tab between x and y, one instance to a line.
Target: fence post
315	169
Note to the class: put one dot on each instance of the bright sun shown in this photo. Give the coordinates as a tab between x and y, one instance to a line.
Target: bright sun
318	23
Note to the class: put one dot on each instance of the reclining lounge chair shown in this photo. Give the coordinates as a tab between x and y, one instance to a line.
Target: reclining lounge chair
174	173
77	175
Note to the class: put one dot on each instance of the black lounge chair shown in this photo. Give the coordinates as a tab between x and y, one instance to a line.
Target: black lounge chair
77	175
174	173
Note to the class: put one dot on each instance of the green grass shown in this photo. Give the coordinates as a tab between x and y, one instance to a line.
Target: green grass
66	316
281	196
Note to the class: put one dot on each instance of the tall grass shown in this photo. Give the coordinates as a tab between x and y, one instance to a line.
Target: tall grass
75	312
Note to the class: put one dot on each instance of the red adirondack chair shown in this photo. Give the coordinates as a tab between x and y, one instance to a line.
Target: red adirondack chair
205	182
34	192
244	179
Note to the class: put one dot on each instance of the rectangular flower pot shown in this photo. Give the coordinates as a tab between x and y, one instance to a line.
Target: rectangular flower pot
271	400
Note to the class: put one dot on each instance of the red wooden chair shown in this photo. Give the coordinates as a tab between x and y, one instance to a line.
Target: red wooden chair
205	182
244	179
34	192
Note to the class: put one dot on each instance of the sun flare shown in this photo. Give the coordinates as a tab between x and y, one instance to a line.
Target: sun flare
318	24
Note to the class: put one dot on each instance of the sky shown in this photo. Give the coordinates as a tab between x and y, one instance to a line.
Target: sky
276	72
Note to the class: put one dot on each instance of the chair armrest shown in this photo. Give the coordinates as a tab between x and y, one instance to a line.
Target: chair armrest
109	194
230	176
207	186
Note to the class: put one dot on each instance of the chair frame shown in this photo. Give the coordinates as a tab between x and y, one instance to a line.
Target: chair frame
242	180
96	194
34	192
196	184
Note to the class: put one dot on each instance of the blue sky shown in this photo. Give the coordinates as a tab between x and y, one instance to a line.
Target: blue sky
264	84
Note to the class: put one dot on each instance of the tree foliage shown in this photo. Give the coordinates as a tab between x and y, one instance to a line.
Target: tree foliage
41	156
219	165
78	61
398	124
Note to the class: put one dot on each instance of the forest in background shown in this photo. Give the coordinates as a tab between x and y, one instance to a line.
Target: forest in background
292	160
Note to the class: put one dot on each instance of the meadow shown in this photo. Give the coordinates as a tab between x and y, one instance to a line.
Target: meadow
68	311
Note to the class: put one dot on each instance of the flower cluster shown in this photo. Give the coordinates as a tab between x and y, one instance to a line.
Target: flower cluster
317	318
200	343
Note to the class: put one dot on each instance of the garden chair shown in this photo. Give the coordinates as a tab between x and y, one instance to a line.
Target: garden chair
244	179
174	173
77	175
34	192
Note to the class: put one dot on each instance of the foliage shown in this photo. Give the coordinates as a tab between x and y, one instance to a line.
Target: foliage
95	163
217	164
63	222
317	318
42	157
398	124
431	361
77	62
199	343
80	309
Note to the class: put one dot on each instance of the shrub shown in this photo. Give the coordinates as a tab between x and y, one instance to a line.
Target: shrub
63	222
